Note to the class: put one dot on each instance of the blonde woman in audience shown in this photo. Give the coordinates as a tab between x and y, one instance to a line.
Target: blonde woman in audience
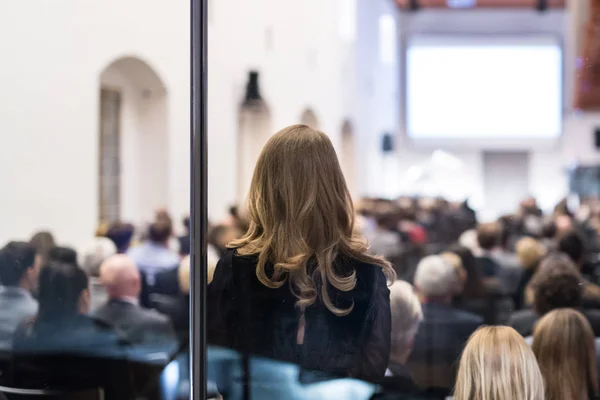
300	285
529	253
497	364
564	345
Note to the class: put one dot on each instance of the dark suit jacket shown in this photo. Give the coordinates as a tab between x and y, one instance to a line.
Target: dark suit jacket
138	325
524	321
439	342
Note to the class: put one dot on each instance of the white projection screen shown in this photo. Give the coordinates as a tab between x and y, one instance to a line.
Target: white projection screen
487	91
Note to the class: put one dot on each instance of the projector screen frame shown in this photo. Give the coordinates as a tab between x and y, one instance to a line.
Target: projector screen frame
495	143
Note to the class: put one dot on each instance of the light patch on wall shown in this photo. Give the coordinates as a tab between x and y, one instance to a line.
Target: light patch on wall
387	40
347	20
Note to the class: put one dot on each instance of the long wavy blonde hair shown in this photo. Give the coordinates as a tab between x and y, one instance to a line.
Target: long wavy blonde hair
563	342
300	209
497	364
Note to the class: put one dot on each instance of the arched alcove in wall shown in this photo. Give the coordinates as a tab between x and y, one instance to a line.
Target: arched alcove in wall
254	131
347	156
309	118
133	141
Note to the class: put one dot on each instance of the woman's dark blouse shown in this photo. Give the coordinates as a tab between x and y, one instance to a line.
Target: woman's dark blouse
245	315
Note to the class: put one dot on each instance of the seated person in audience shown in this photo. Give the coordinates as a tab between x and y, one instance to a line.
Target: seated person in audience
561	290
488	239
406	317
63	255
220	236
90	259
121	278
154	255
530	253
572	243
19	277
564	345
549	234
121	235
497	364
42	242
184	240
559	263
444	329
61	324
385	241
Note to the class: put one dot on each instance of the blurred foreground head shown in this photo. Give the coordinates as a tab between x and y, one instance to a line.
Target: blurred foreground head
497	364
300	208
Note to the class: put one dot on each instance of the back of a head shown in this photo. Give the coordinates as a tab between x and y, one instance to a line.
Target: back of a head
160	231
560	290
529	252
300	208
572	244
60	287
43	242
15	259
94	253
183	275
435	277
563	342
488	235
120	276
497	364
120	234
406	315
63	255
553	264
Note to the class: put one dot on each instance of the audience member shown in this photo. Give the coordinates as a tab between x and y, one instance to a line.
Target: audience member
572	244
406	317
42	242
121	278
549	231
564	346
529	253
154	256
444	329
184	240
561	290
19	277
560	263
61	324
488	239
90	258
497	364
301	226
63	254
385	242
220	236
121	234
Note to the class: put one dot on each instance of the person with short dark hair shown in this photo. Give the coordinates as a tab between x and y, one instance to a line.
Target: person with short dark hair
63	254
488	238
121	234
61	324
553	291
572	244
19	277
153	256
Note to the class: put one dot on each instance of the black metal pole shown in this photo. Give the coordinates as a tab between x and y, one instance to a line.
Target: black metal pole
199	209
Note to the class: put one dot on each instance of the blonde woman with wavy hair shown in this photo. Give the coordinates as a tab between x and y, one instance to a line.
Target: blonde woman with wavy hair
564	344
300	285
497	364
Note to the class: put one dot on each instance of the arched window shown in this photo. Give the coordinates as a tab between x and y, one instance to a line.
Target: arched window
133	141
